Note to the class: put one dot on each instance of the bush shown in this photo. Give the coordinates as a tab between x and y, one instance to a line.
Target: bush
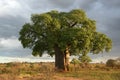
110	63
75	61
113	63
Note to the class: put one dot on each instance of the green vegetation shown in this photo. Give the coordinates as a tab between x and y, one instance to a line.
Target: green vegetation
63	33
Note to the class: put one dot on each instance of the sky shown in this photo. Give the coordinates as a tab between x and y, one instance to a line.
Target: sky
15	13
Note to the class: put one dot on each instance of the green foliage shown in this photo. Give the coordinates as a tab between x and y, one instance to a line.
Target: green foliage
101	42
84	59
63	28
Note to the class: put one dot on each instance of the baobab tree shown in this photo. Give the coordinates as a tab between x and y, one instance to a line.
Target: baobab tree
63	34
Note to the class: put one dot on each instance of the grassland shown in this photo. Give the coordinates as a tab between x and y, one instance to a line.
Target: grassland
46	71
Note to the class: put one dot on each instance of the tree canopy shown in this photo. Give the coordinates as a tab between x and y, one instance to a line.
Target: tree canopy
71	29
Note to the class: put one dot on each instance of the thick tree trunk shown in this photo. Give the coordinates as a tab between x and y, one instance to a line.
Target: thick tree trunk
59	58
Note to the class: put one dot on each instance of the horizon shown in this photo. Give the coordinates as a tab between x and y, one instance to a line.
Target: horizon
47	58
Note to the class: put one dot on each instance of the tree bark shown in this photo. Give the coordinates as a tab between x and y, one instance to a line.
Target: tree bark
59	58
67	57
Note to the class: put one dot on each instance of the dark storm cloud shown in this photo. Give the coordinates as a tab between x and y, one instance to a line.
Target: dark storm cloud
35	6
72	4
106	13
85	5
62	3
10	25
114	30
14	13
14	17
110	4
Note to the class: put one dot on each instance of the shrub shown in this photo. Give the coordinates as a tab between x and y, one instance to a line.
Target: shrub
110	63
113	63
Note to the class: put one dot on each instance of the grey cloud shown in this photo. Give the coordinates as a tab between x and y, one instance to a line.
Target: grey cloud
107	20
68	5
114	30
15	52
38	6
106	13
32	5
111	22
85	5
10	25
62	3
110	4
11	47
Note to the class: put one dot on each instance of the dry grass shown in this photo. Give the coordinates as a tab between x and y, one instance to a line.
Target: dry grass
46	71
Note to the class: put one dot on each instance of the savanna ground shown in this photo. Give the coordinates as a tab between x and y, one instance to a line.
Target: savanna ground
46	71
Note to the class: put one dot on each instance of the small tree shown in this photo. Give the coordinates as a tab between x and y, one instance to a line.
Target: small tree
84	59
75	61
